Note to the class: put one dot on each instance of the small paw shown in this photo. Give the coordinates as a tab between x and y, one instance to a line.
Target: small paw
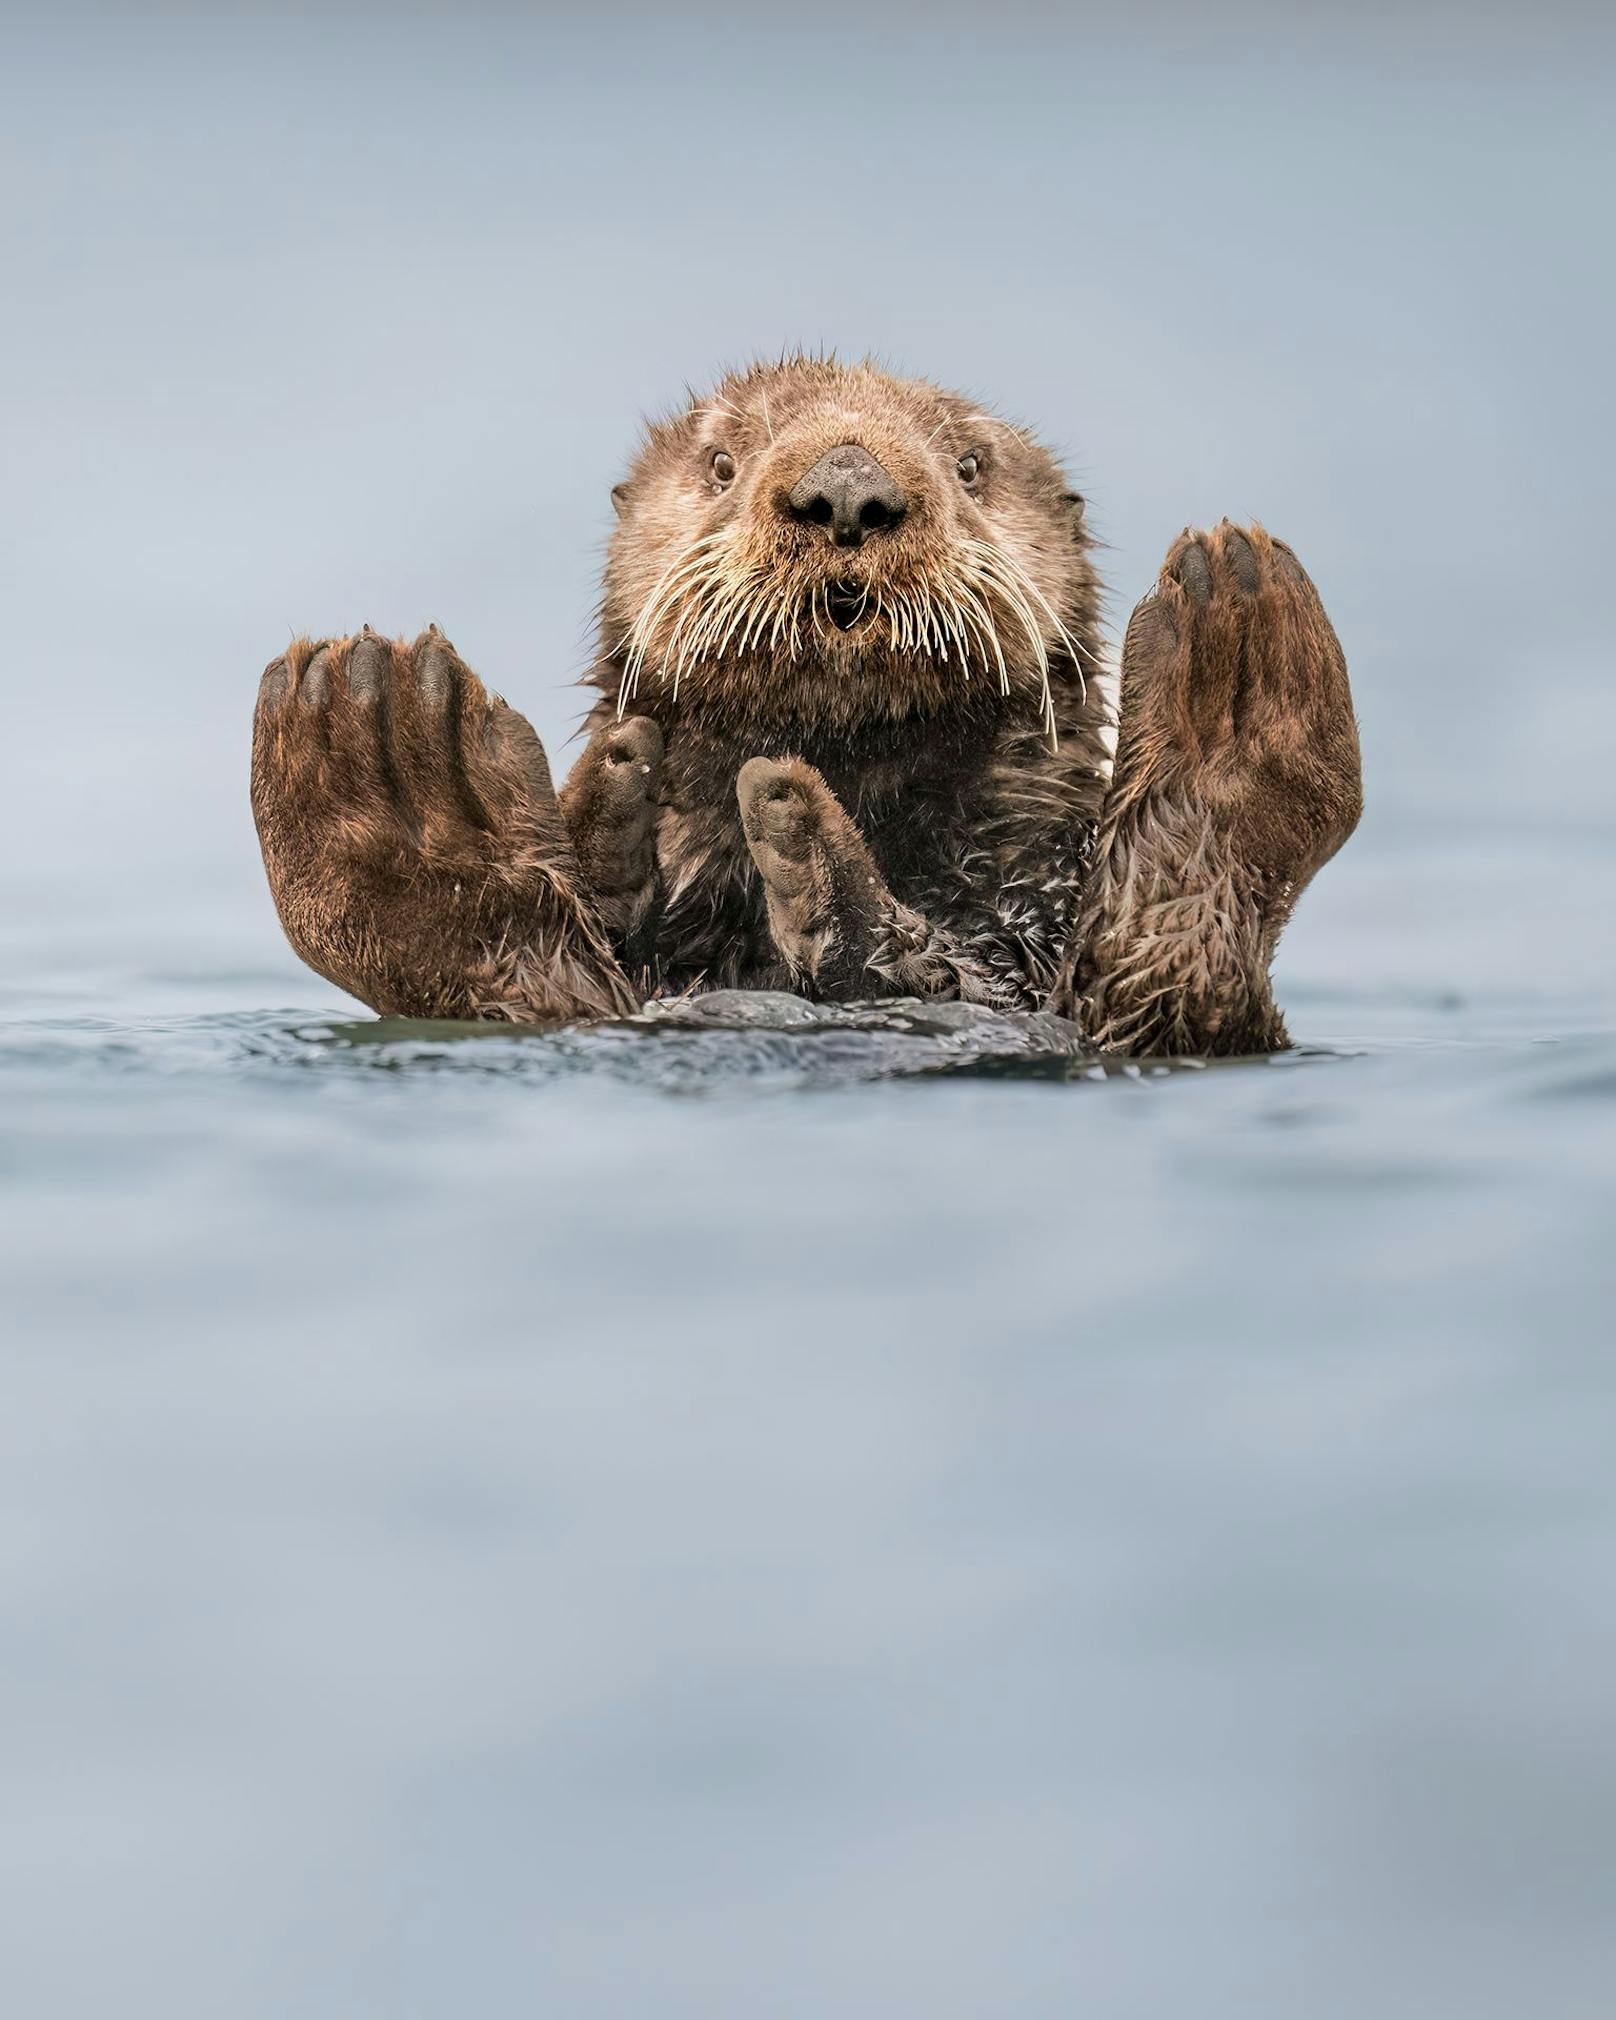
619	772
824	894
789	815
610	803
633	748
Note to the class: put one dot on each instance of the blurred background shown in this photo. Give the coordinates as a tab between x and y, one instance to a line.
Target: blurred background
326	315
480	1532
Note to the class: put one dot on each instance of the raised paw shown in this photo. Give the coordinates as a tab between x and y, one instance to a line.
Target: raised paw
1236	778
1234	691
823	891
610	804
414	845
837	926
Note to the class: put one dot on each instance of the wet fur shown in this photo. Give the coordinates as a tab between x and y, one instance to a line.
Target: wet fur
1237	777
922	804
977	804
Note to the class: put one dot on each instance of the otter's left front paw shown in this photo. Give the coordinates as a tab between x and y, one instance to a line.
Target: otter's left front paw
1234	692
822	888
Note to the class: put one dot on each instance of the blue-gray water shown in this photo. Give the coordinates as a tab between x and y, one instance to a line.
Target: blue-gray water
661	1525
653	1525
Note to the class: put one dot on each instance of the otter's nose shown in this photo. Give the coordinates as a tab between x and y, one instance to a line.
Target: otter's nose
848	491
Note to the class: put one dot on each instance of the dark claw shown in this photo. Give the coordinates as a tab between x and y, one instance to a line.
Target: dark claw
1242	561
435	667
1194	572
367	667
317	678
276	684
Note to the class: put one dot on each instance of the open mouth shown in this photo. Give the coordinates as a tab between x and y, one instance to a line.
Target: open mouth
848	602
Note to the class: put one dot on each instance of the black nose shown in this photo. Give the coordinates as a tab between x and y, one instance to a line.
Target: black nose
848	491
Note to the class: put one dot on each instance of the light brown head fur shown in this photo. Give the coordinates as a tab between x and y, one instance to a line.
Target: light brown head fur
723	601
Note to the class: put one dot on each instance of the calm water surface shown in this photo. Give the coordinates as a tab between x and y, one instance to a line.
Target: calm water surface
662	1525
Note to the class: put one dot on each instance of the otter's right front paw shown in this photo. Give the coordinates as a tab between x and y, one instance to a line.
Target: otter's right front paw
414	846
610	802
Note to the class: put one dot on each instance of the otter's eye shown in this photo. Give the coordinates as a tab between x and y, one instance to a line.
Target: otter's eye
723	467
970	468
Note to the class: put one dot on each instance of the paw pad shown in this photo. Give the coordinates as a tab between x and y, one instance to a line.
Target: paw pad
367	667
1242	562
1194	572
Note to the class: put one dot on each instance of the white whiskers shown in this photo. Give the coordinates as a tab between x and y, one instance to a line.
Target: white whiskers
717	602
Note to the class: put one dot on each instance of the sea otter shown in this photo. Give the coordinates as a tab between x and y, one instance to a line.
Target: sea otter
852	738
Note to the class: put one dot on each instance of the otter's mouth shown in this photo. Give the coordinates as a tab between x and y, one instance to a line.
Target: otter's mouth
849	604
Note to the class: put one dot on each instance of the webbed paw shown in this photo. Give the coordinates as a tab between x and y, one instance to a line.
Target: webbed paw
1234	690
414	845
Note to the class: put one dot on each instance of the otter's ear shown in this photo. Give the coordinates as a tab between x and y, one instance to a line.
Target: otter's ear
619	499
1074	508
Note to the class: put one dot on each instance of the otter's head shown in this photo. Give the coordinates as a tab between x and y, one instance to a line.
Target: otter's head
814	540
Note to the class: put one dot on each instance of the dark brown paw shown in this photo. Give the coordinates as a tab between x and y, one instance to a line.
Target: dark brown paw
610	804
414	846
1234	690
822	888
397	753
788	814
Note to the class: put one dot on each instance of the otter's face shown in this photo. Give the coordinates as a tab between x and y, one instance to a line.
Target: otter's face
815	528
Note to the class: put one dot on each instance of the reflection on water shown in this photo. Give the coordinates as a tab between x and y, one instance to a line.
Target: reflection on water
917	1524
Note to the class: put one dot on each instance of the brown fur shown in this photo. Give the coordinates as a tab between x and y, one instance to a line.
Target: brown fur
1237	777
871	768
414	846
